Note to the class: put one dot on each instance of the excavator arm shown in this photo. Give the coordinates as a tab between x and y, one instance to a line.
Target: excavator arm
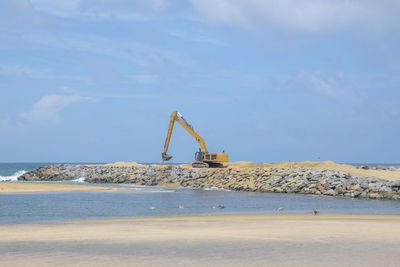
176	116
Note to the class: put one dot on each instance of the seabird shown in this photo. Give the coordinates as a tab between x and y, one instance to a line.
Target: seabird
280	209
152	207
181	206
315	211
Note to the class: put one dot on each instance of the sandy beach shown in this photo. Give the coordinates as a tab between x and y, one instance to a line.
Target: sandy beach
234	240
6	188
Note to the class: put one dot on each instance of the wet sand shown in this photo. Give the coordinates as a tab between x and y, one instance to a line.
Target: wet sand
6	187
234	240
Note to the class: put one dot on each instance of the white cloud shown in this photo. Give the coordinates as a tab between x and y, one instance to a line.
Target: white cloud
197	37
34	72
101	9
144	78
18	15
20	70
48	107
141	53
334	86
3	124
302	15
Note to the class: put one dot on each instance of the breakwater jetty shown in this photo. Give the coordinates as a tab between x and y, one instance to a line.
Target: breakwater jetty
306	180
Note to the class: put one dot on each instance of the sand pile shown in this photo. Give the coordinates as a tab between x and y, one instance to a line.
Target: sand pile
287	164
322	165
124	164
247	164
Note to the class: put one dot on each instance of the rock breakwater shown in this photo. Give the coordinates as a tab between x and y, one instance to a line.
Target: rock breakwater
281	180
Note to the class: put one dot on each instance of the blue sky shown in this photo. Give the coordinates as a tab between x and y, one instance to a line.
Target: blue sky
267	81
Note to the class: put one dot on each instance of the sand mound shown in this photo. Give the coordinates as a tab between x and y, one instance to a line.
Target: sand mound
247	164
284	164
288	164
308	164
323	165
124	164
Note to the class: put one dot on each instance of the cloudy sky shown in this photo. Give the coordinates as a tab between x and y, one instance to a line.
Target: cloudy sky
267	81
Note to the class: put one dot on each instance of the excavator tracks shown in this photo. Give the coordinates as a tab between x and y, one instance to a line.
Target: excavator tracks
199	164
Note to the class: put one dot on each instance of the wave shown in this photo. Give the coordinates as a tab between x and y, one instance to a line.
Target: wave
79	180
13	177
146	188
214	188
152	191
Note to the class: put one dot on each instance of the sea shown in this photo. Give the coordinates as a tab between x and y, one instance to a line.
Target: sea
151	201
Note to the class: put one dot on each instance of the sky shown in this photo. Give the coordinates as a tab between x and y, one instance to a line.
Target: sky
266	81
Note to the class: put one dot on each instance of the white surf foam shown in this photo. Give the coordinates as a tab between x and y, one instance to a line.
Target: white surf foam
13	177
79	180
145	188
214	188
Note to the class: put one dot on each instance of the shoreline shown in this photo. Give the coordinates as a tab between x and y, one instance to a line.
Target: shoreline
233	216
16	188
306	216
234	240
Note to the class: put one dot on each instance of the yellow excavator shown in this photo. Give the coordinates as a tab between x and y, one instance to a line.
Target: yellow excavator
202	157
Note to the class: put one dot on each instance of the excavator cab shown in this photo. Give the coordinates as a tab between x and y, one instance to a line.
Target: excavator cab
199	156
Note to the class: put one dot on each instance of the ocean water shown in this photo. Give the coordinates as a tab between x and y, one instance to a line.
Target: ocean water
145	201
156	201
11	171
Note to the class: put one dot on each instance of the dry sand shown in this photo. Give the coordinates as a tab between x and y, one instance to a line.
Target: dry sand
234	240
6	187
125	164
323	165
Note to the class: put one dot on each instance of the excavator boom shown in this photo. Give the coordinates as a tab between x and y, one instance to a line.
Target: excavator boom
203	155
176	116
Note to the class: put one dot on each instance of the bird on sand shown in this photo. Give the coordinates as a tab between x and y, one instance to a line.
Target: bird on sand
315	211
280	209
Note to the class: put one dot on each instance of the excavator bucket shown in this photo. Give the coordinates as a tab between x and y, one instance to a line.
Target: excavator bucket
166	157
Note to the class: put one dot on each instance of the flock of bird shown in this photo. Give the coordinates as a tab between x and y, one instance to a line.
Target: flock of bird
315	211
152	207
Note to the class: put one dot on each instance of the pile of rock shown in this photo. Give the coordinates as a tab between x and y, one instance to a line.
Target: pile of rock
281	180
